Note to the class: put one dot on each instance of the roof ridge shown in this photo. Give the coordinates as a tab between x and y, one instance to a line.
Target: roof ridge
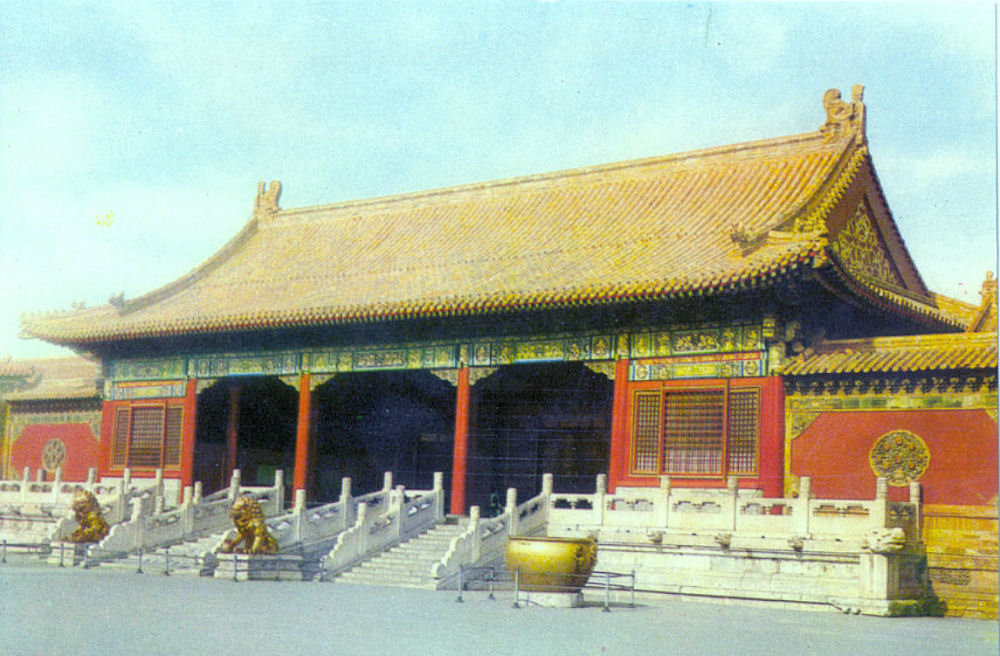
800	139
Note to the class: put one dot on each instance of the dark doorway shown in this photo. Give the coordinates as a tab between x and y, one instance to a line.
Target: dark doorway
533	419
369	423
268	411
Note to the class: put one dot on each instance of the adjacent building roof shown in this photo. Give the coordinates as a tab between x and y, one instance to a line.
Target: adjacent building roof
898	354
17	369
692	223
57	378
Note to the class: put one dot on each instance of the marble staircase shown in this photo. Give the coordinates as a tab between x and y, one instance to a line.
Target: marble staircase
409	563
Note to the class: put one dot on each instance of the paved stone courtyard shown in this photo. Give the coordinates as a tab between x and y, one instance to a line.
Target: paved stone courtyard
51	611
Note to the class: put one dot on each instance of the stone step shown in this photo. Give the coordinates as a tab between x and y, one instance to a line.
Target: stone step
390	572
407	564
399	581
399	560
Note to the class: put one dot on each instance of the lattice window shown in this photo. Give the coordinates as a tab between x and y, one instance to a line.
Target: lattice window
693	431
744	429
147	435
172	437
646	445
119	449
146	438
696	432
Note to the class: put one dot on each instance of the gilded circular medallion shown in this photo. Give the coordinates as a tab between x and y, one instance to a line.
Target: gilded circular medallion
900	457
53	454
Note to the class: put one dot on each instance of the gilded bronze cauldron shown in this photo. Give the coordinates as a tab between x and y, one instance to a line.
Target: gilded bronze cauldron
547	564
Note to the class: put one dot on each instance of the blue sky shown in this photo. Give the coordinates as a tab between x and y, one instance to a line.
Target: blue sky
133	135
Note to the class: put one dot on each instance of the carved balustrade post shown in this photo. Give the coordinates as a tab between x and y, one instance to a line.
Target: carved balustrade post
661	508
511	509
91	479
279	491
477	537
119	508
800	506
234	486
347	510
438	496
600	491
187	511
56	484
361	523
915	499
732	486
300	512
880	507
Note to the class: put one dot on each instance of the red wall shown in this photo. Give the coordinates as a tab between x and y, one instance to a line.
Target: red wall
834	450
82	449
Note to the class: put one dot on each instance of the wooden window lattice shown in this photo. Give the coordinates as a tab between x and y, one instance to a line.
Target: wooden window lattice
146	437
647	433
744	423
693	431
172	437
119	453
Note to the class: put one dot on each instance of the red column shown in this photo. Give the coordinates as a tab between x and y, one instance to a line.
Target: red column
461	452
772	438
618	458
188	433
106	437
232	429
302	435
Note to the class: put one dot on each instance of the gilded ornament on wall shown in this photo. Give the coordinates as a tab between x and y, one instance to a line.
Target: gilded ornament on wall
900	457
53	454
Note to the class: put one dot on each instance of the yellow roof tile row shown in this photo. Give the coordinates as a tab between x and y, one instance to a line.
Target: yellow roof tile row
57	378
898	354
652	228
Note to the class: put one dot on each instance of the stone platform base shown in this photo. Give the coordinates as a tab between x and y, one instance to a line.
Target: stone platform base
245	567
551	599
67	554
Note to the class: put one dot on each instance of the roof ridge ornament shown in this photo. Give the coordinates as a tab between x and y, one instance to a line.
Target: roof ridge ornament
844	117
265	205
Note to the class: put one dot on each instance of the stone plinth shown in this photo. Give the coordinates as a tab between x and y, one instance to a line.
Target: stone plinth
552	599
247	567
68	554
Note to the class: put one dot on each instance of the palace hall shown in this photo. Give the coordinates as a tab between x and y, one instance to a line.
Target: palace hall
748	312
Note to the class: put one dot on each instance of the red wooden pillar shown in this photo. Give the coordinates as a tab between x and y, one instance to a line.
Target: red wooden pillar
107	438
459	465
302	435
232	429
188	424
618	457
772	442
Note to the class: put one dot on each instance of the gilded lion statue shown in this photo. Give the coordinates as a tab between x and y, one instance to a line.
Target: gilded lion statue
91	524
252	536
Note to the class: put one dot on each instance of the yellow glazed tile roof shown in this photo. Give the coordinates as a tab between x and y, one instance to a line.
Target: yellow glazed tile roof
898	354
692	223
57	378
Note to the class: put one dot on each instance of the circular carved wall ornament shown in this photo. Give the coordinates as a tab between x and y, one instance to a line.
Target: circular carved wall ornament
53	454
900	457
